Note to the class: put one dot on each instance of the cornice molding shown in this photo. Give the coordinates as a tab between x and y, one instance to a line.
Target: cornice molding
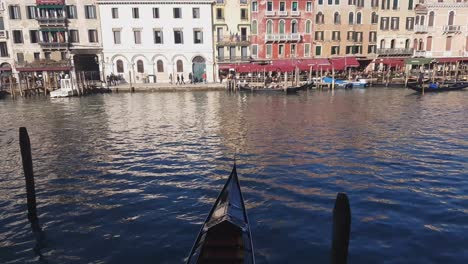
152	2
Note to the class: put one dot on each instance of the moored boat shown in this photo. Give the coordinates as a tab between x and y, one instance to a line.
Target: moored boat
274	89
225	236
437	88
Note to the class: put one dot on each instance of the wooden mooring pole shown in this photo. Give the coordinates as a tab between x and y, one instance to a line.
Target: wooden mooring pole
341	230
26	156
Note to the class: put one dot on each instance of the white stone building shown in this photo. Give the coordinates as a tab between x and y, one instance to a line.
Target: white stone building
148	40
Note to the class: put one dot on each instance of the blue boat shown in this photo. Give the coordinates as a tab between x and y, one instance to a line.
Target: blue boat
338	83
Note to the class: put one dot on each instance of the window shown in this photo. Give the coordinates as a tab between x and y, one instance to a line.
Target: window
382	43
140	67
115	12
358	36
448	43
359	18
47	55
254	27
155	12
20	57
349	49
392	44
160	66
336	35
197	36
254	6
337	2
269	6
371	49
34	36
351	18
71	12
196	12
374	18
244	15
220	53
90	12
451	17
319	18
254	50
320	2
15	12
306	49
73	36
372	36
268	50
116	36
37	56
120	67
3	49
17	36
375	3
318	50
135	12
177	12
180	66
410	5
294	27
92	36
158	36
281	50
294	7
178	37
330	2
350	36
309	7
308	27
63	55
137	36
293	50
395	5
384	23
431	19
395	25
335	50
429	43
281	27
219	13
360	3
336	18
407	43
31	12
410	23
269	27
318	35
282	6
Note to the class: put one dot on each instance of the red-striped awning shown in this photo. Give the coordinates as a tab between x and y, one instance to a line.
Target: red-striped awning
5	68
340	64
35	69
392	62
448	60
50	2
315	64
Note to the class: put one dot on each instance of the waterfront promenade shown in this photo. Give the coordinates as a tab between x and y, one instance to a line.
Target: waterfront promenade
167	87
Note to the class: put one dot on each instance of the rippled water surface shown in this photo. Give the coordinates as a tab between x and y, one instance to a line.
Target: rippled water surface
129	178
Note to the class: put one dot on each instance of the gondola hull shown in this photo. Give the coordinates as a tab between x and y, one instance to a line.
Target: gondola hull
443	88
287	90
225	236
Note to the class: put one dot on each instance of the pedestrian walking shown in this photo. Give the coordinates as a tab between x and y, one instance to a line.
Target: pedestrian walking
178	79
204	77
170	78
190	76
182	79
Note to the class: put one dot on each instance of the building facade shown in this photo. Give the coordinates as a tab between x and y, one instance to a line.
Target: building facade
281	29
345	28
154	41
444	29
6	60
54	35
231	25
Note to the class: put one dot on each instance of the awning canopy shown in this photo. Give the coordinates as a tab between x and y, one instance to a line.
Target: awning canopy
314	64
5	68
50	2
52	29
419	61
448	60
391	61
36	69
340	64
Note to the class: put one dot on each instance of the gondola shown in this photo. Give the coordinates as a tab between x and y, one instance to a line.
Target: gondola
288	90
441	88
3	94
225	236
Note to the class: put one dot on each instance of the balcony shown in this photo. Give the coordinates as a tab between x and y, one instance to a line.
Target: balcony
283	37
53	45
270	13
233	40
3	34
227	59
420	29
452	28
49	21
283	13
394	52
295	13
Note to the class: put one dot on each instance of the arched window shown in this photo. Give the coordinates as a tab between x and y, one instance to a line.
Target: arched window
431	19
270	27
140	67
382	44
180	66
308	27
318	18
421	44
160	66
451	17
254	27
281	27
417	20
294	28
120	67
415	44
392	44
374	18
351	18
407	43
358	18
336	18
422	20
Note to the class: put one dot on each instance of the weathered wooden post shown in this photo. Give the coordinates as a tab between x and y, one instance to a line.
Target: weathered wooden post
26	157
341	230
12	91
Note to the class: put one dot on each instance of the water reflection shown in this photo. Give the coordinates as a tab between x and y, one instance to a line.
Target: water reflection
130	177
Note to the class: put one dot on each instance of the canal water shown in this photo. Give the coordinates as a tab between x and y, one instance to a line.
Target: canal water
129	178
